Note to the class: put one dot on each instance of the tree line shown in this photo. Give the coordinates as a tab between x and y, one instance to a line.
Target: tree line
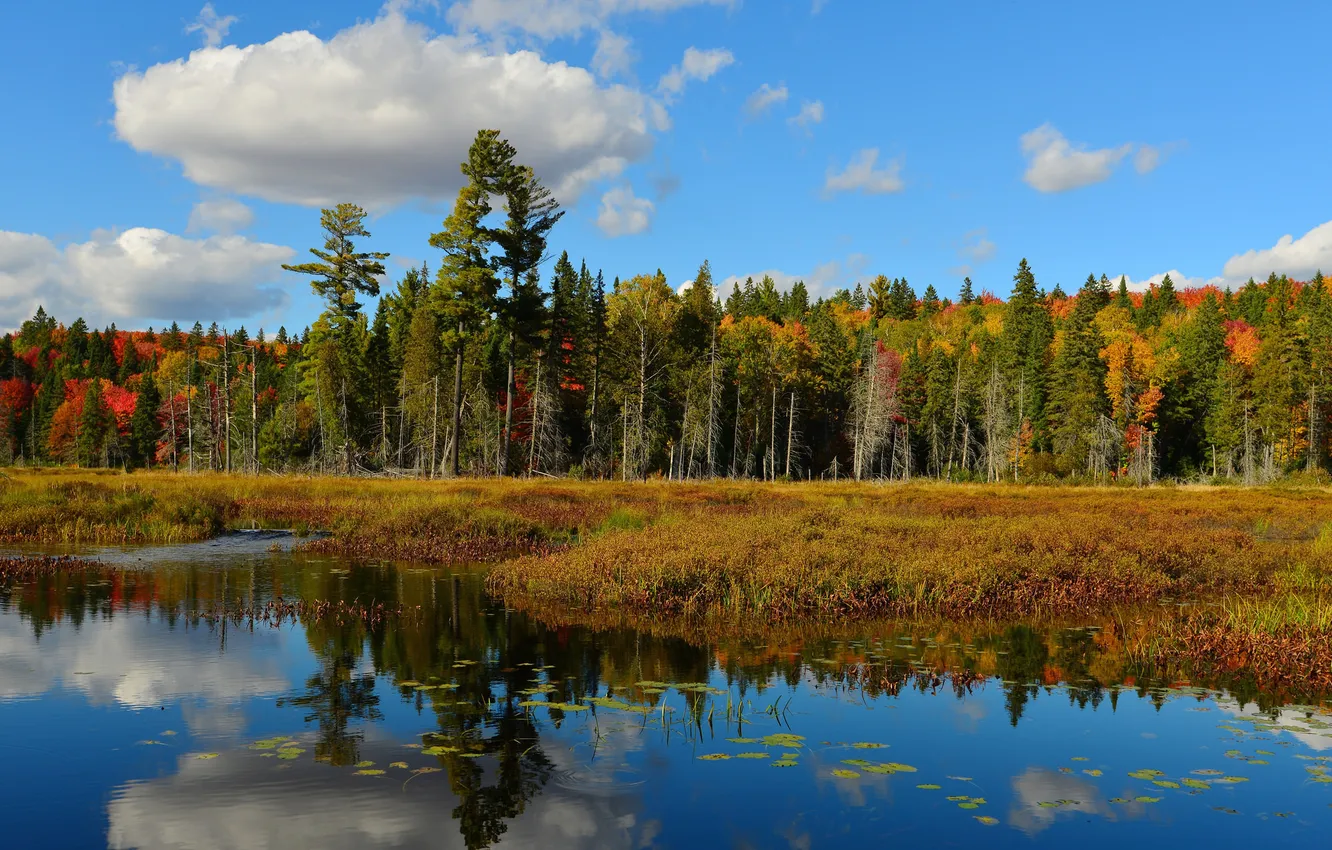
484	369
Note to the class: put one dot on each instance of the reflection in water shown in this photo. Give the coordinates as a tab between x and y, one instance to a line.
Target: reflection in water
440	701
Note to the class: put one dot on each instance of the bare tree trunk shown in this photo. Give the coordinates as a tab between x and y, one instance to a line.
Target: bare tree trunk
254	405
536	396
735	440
508	415
790	433
712	402
457	404
772	436
434	433
189	410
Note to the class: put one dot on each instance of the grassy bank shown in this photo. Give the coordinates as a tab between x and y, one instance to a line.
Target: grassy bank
1258	561
958	551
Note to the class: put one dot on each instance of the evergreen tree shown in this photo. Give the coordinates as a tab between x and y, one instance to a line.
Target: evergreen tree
531	213
143	424
94	424
965	296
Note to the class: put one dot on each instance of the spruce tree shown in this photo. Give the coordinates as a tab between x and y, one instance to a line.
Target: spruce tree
143	424
965	296
94	423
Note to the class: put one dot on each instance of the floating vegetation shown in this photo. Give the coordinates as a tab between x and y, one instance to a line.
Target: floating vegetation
1094	773
866	745
560	706
28	568
986	819
714	757
753	755
928	787
369	772
206	756
842	773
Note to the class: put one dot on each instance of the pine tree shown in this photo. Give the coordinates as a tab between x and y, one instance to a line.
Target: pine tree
929	302
965	296
532	212
143	424
93	426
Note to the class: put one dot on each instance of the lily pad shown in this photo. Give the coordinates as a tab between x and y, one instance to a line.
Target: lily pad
364	764
845	774
785	763
1165	783
1146	799
369	772
290	753
400	765
714	757
752	755
1196	784
986	819
868	745
1093	772
929	787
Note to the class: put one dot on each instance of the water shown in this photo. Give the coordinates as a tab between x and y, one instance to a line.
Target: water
132	723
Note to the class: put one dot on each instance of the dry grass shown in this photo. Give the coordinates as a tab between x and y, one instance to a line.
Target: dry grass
932	549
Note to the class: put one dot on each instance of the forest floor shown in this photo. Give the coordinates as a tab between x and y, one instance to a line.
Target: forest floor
1251	569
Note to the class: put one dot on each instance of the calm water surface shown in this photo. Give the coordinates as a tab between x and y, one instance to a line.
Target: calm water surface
131	723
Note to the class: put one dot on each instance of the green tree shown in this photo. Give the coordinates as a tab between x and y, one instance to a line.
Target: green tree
143	424
94	424
343	273
532	212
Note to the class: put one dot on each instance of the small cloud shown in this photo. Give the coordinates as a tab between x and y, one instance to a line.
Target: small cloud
976	247
623	213
1056	165
613	56
764	98
223	215
212	26
818	6
698	65
811	112
861	176
1146	159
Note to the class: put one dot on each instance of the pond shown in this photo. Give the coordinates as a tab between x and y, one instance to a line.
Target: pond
422	713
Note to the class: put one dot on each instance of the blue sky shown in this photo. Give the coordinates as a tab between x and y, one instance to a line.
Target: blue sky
163	160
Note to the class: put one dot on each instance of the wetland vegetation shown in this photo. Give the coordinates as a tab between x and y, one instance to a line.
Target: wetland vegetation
1231	579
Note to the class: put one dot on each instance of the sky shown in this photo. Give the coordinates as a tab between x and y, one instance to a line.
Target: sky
162	160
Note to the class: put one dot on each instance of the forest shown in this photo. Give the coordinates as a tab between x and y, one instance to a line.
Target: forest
478	367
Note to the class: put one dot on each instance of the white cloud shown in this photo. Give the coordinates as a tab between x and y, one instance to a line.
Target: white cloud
1146	159
623	213
821	281
211	26
1298	258
140	274
976	247
549	19
764	98
1056	165
613	56
380	113
860	176
698	65
221	215
811	112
